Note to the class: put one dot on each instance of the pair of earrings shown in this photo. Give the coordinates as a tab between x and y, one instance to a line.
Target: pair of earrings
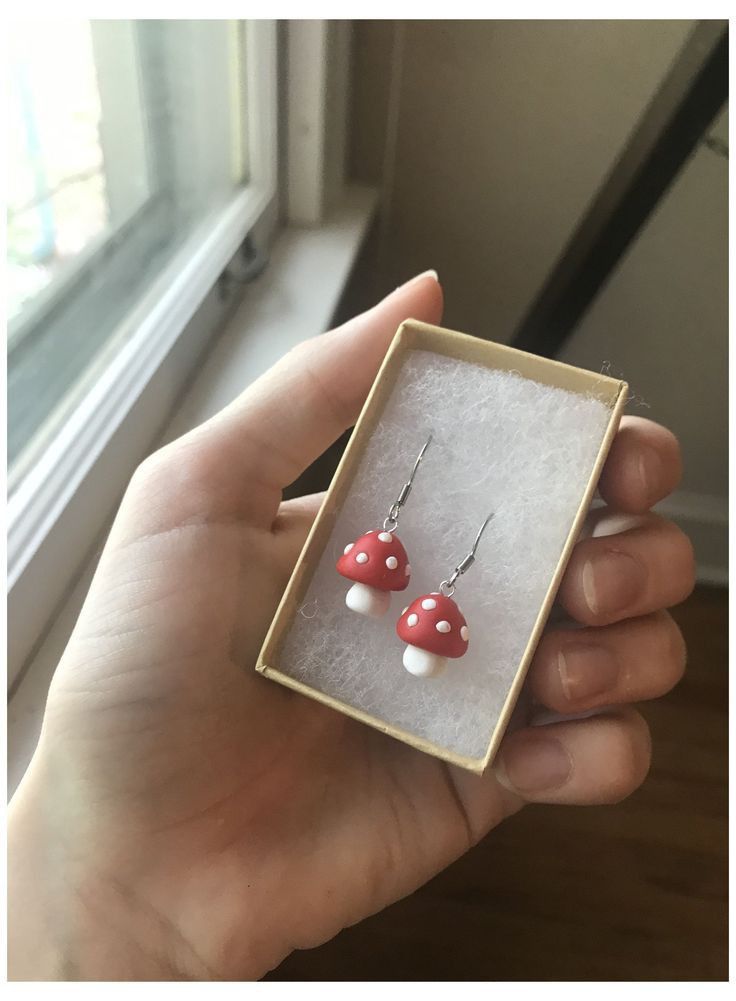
432	626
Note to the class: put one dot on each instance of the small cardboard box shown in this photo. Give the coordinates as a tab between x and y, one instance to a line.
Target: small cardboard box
414	335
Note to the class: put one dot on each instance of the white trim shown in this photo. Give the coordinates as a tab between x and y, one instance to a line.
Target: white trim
692	506
317	94
157	321
47	523
306	90
715	576
123	134
261	102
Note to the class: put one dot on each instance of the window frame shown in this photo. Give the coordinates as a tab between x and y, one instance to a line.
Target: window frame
114	257
62	502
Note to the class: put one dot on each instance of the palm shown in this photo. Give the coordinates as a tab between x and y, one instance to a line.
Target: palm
226	785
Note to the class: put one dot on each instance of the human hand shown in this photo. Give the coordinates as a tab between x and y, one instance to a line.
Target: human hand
184	817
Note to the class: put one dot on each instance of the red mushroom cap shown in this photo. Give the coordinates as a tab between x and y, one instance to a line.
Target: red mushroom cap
434	623
377	559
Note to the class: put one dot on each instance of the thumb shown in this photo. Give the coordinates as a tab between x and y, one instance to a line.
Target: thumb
289	416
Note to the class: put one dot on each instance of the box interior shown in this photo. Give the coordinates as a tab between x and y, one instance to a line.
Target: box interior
502	443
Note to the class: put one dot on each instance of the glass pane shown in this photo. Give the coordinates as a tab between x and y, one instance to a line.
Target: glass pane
123	136
57	199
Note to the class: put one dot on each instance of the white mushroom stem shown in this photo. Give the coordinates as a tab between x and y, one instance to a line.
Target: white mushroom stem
367	600
422	663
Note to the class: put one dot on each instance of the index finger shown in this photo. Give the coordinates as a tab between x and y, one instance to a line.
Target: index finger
289	416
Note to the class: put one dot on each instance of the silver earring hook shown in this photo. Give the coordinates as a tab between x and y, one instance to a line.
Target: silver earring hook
390	522
447	587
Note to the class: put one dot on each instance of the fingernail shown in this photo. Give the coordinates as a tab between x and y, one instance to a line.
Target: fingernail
534	764
612	581
418	278
586	671
650	470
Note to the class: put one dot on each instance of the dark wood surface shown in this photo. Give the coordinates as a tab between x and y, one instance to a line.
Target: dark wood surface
635	891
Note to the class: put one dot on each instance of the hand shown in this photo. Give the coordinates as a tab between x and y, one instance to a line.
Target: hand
184	817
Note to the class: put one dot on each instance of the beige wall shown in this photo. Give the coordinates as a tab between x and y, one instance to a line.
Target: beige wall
504	132
662	323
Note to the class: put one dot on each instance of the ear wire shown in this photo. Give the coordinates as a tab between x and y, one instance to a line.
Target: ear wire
392	520
447	587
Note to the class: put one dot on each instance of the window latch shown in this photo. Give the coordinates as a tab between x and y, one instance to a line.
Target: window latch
244	268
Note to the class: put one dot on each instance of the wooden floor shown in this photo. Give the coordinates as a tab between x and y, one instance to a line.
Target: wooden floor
631	892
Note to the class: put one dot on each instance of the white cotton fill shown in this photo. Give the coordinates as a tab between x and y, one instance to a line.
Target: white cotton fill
501	443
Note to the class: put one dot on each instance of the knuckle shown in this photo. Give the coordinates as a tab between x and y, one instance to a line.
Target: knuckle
155	467
302	351
180	465
149	469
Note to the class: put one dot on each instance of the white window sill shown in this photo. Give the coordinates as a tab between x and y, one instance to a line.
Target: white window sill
295	298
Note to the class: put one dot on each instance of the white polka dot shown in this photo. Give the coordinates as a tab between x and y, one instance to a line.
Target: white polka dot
443	626
464	633
361	558
385	537
392	562
348	547
413	619
407	570
429	603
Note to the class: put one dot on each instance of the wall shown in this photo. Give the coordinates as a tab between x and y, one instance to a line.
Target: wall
491	138
504	131
662	323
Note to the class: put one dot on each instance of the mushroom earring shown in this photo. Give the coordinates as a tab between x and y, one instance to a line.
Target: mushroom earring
377	561
433	626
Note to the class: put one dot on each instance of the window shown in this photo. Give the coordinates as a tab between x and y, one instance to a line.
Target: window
142	157
143	199
125	137
144	174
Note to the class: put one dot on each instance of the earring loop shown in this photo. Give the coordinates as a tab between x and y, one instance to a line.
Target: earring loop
447	587
377	562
